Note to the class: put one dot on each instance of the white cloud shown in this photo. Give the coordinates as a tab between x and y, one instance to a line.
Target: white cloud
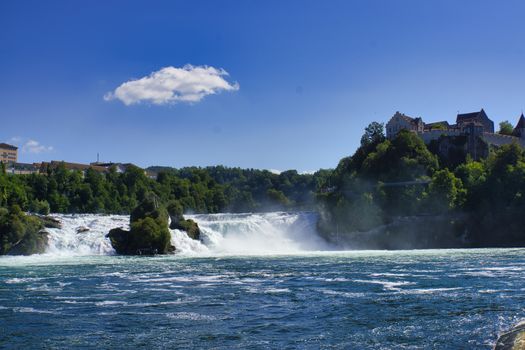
15	140
32	146
275	171
172	85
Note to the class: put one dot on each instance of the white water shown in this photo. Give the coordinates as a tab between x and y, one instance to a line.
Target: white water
261	233
68	241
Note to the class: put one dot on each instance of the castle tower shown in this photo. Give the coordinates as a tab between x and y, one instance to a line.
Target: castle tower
519	130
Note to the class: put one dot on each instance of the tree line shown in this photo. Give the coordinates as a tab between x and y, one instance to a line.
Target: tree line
199	190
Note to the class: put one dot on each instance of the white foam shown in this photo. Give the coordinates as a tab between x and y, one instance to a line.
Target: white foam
429	290
343	294
22	280
32	310
110	303
387	285
66	241
186	245
190	316
221	234
260	233
277	290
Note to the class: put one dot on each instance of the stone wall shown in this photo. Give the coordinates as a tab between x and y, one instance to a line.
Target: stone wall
500	140
430	135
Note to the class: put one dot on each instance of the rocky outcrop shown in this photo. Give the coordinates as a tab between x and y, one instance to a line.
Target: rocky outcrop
23	234
189	226
149	233
177	221
513	339
82	229
50	222
33	243
409	232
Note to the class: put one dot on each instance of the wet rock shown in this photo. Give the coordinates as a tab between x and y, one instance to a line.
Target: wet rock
82	229
50	222
21	233
189	226
32	243
513	339
179	223
149	233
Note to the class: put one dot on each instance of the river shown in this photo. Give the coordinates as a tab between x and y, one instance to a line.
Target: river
255	281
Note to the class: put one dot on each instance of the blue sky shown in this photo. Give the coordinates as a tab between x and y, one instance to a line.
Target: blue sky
311	75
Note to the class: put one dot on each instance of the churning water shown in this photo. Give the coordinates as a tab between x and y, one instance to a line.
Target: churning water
256	281
260	233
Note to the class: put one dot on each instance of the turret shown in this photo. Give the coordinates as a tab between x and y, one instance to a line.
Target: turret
519	130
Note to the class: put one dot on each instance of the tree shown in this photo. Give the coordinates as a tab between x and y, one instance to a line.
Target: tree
439	126
445	191
374	134
405	158
505	128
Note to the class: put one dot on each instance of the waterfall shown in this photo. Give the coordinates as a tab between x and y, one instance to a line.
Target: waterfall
84	234
252	233
260	233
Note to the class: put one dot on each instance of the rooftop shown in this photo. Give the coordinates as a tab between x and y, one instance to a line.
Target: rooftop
461	117
9	147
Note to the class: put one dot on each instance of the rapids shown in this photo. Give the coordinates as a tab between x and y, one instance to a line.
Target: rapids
237	234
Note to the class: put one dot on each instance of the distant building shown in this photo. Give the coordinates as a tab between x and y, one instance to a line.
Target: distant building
475	117
8	153
22	169
151	174
119	167
473	132
403	122
70	166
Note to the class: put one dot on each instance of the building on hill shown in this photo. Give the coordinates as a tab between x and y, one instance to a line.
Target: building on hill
70	166
480	117
473	133
151	174
119	167
400	122
21	169
8	153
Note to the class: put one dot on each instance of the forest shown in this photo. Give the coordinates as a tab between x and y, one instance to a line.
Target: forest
199	190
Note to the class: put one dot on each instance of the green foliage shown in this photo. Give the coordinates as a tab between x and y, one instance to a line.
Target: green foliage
40	207
505	128
201	190
149	233
175	210
398	178
189	226
445	192
278	197
149	207
368	187
405	158
20	233
374	134
439	126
